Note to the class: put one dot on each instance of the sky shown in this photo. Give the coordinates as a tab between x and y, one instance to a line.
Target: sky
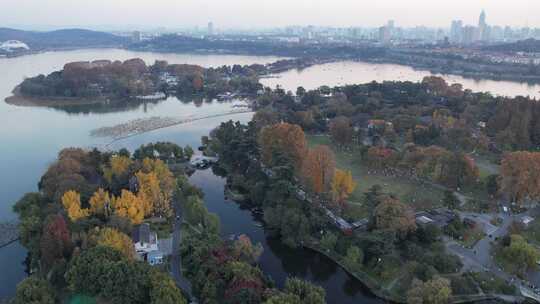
264	13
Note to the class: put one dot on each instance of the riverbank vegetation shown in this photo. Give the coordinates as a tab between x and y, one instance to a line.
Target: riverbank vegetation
78	228
426	136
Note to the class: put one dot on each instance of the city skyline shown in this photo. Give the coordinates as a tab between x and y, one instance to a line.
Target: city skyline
265	14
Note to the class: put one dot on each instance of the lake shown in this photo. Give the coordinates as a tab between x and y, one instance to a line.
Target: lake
353	72
31	138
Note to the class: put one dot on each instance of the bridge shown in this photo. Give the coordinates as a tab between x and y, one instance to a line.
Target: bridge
9	233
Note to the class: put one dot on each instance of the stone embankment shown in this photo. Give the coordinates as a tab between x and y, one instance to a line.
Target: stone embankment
143	125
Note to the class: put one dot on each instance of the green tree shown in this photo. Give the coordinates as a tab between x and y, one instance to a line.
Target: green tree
353	258
521	254
305	291
434	291
34	290
163	289
450	200
328	241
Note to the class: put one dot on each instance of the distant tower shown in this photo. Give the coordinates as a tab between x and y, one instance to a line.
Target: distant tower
483	28
210	28
136	37
482	19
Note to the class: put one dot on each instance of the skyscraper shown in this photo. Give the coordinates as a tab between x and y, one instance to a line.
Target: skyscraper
483	28
210	29
456	31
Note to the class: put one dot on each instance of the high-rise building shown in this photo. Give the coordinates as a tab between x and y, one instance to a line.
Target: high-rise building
456	31
384	34
483	28
210	30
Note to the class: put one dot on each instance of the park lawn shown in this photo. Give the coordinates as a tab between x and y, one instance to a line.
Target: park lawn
420	196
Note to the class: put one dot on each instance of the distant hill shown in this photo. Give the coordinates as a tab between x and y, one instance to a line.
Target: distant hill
66	38
528	46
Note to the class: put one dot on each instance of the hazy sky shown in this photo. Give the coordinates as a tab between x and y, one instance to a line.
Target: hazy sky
264	13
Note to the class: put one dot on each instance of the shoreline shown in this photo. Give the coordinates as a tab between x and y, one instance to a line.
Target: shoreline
18	99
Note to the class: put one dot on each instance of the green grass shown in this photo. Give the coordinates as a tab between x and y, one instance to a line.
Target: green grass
419	195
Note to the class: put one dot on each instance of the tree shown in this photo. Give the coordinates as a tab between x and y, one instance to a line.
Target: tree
343	185
520	175
450	200
521	254
341	130
328	241
353	258
245	251
434	291
318	169
71	201
129	206
150	194
55	242
100	203
113	238
395	216
119	166
307	292
163	289
283	138
34	290
188	152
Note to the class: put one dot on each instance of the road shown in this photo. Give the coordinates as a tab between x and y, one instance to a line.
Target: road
176	259
480	258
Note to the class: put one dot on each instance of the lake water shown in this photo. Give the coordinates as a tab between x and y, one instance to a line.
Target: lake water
352	72
31	138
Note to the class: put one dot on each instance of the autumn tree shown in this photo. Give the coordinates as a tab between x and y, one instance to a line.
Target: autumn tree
283	138
100	203
163	289
129	206
341	130
520	175
434	291
318	169
305	291
393	215
55	242
71	201
343	185
119	166
115	239
245	251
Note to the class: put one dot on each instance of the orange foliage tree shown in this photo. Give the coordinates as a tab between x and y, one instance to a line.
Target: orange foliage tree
318	169
284	138
520	175
393	215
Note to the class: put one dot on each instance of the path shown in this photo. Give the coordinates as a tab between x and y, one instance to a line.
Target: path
480	257
176	261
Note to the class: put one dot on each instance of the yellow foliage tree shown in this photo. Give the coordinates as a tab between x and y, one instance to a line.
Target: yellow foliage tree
118	165
167	182
100	203
149	191
342	185
113	238
318	169
71	200
130	206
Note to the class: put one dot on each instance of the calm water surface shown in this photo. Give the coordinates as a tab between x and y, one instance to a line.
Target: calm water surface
31	138
352	72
